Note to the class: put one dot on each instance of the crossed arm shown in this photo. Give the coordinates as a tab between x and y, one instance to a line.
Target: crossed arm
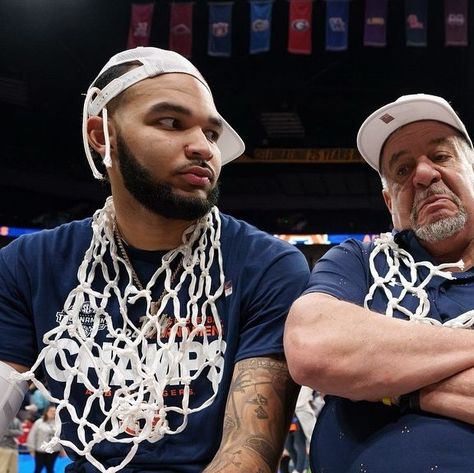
361	355
259	407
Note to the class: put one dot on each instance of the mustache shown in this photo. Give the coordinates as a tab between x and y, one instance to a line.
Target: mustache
435	189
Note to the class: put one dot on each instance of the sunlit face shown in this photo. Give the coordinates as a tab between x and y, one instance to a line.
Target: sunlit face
429	180
164	146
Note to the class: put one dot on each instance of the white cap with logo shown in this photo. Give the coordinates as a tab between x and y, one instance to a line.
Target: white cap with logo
154	62
407	109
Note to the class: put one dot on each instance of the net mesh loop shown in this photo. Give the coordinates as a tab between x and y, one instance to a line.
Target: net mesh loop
397	259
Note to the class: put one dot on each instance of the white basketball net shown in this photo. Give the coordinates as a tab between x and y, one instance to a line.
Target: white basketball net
136	411
397	258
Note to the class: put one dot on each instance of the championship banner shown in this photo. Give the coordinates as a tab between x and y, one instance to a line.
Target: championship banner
220	32
456	22
140	25
416	17
337	24
375	27
260	25
300	29
181	28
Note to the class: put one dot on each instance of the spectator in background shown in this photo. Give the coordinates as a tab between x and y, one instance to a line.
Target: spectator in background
295	445
9	448
26	425
38	402
305	411
41	433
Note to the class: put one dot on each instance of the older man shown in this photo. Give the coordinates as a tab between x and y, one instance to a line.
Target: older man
382	326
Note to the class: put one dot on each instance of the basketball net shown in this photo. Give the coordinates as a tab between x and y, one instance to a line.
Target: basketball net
397	258
137	410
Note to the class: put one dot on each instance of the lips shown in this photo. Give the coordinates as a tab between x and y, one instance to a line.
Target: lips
198	176
434	201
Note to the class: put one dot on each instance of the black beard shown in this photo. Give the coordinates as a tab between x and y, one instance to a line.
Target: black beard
158	196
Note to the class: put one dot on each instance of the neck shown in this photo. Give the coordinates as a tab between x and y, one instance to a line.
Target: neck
449	251
146	230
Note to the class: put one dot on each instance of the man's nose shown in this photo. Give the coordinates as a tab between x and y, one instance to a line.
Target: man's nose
198	146
425	173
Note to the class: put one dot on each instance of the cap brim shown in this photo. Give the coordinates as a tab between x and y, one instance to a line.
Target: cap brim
229	143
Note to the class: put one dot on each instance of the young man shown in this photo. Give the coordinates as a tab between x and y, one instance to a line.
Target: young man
384	321
159	321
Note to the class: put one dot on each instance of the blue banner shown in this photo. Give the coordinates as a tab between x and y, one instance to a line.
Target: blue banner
220	31
260	25
416	16
337	24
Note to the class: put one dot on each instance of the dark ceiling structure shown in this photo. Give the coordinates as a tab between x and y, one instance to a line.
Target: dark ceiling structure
51	49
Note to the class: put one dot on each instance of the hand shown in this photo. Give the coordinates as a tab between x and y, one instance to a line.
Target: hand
451	397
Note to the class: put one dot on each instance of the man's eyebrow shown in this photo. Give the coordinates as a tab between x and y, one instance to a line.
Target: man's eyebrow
440	141
176	108
394	158
169	107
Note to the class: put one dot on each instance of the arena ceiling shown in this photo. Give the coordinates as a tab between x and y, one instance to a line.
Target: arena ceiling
51	50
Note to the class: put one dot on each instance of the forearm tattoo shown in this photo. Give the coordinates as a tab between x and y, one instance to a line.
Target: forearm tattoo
260	404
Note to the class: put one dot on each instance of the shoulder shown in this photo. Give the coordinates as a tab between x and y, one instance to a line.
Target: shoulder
245	237
62	238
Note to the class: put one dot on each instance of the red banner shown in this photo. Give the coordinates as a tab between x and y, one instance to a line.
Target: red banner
299	28
140	25
181	28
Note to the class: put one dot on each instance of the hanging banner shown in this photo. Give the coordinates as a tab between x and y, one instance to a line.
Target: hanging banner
337	24
300	29
181	28
456	22
375	28
140	25
260	26
220	32
416	17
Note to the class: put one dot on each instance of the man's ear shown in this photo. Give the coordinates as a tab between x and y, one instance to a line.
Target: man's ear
387	199
95	134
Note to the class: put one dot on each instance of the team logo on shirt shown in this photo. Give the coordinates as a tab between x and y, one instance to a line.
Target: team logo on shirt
87	315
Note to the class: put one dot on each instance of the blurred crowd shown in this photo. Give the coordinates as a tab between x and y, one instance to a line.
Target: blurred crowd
28	432
295	457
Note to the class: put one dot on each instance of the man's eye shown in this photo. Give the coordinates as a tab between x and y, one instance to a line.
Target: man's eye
402	171
169	122
440	157
211	135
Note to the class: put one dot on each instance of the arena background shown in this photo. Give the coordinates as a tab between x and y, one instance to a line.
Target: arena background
297	113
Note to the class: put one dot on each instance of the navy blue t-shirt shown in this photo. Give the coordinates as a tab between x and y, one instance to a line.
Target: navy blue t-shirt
263	276
357	437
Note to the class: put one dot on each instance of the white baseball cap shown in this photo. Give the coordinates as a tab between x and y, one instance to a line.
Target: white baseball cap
155	62
407	109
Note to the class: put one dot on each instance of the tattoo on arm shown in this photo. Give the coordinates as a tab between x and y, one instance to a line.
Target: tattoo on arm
260	404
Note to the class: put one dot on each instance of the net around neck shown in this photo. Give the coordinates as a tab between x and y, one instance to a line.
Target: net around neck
404	271
137	410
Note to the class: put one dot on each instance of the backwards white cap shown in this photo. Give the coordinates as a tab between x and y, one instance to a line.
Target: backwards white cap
154	62
407	109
